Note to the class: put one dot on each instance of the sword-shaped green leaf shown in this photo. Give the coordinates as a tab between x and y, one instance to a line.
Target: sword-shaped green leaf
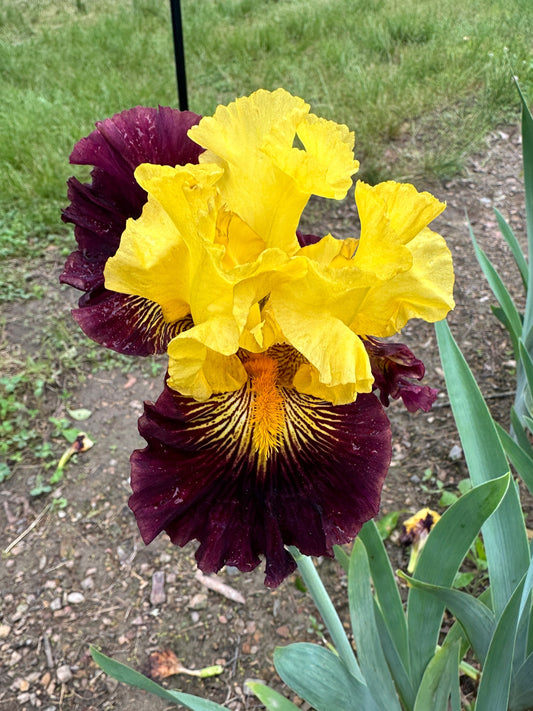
475	618
514	246
127	675
440	683
321	678
270	698
367	642
504	534
443	552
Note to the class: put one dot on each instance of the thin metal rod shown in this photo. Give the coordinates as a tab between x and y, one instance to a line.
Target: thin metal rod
179	54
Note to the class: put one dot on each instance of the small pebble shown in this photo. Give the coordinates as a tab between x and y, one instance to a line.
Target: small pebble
64	674
19	612
198	602
455	453
157	596
75	598
87	583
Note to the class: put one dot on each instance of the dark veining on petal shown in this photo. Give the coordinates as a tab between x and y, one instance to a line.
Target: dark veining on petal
201	477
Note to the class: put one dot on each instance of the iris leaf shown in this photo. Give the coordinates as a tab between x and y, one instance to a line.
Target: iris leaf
476	619
386	589
342	558
527	152
441	681
321	678
527	364
127	675
396	664
525	622
448	543
518	428
521	696
500	292
369	651
514	246
329	614
270	698
521	459
505	533
493	693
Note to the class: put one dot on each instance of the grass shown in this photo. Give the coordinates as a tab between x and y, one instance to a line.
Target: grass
385	68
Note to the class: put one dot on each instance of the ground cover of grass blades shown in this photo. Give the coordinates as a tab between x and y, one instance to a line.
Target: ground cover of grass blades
384	68
434	104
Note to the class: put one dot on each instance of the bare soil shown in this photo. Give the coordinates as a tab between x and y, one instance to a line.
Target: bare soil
81	575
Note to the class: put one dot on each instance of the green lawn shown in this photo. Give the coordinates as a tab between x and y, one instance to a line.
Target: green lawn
439	70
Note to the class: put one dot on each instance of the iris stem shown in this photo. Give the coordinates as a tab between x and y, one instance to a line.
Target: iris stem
327	611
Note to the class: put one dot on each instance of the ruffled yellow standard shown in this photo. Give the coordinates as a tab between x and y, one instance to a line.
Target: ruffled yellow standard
217	243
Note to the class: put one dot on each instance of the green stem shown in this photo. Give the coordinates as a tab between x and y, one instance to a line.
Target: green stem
327	611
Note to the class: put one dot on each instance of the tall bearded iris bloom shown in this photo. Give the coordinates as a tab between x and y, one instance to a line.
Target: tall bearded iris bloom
270	430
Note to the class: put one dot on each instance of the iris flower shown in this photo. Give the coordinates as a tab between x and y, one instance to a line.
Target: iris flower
270	430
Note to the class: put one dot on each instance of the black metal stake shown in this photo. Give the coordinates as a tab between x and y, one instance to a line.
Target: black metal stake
179	54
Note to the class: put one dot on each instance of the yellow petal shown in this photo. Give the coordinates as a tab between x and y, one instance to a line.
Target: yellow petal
252	185
380	249
152	261
197	371
324	251
307	380
264	334
325	166
321	292
188	195
267	181
425	291
239	129
409	211
312	314
241	243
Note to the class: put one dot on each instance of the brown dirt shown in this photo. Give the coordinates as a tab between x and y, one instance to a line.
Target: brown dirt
82	576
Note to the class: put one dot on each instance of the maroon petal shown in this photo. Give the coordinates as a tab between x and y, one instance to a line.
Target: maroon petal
127	324
200	477
306	240
99	209
394	368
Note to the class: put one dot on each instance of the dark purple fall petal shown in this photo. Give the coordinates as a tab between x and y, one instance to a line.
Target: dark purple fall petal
394	368
306	240
126	324
99	211
199	478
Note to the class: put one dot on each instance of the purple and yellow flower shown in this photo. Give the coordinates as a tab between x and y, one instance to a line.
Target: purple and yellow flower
268	432
415	532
